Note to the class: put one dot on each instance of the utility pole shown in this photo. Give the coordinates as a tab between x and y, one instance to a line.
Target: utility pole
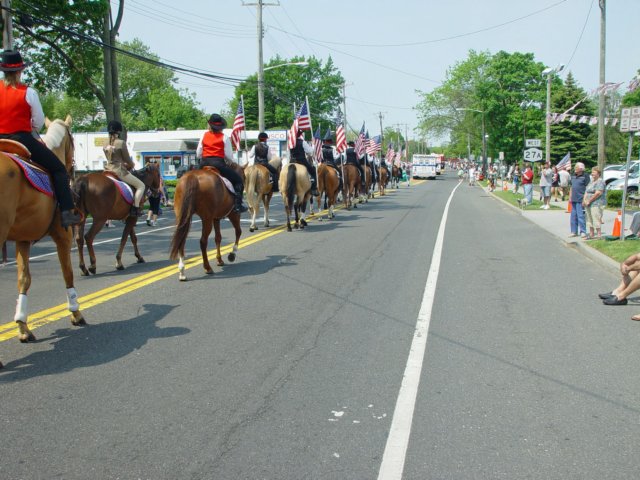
381	131
260	4
601	100
7	30
344	108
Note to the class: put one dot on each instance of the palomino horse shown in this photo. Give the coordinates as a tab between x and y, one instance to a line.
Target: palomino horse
295	188
203	193
27	215
351	185
258	188
383	178
98	196
328	183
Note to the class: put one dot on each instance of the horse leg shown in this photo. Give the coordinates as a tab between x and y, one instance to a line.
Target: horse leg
134	242
128	226
287	210
234	218
266	200
204	240
254	215
79	237
89	237
63	241
218	240
24	282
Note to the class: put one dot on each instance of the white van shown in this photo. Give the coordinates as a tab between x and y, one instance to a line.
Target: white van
424	166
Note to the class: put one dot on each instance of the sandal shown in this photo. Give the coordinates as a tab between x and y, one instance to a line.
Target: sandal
636	317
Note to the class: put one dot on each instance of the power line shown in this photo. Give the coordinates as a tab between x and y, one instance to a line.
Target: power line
581	33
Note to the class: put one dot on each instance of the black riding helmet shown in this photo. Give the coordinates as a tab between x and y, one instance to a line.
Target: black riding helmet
263	136
114	126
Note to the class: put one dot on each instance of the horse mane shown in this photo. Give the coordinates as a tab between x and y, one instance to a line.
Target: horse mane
55	134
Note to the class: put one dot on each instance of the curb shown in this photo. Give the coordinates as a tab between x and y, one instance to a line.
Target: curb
584	248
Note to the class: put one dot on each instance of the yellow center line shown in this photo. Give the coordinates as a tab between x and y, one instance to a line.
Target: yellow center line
50	315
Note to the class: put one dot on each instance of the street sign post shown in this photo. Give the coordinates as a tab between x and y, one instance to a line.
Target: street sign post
629	122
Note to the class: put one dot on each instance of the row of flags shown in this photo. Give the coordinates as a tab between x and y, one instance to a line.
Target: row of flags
302	121
555	118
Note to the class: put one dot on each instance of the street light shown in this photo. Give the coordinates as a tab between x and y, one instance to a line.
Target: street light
484	137
549	72
261	70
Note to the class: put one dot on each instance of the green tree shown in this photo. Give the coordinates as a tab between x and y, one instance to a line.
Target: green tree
171	109
284	86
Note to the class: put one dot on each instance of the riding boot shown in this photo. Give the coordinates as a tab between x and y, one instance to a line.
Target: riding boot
68	218
314	189
274	179
135	211
239	207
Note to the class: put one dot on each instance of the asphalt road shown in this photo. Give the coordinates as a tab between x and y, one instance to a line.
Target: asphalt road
287	364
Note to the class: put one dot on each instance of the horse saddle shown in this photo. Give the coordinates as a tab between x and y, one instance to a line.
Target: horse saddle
125	190
37	177
225	180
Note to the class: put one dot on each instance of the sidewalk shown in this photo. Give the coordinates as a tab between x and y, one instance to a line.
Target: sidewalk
557	222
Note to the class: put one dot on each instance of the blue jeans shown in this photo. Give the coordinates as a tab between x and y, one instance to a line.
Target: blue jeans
578	225
528	192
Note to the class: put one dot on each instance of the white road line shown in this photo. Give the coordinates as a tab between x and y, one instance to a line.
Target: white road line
395	450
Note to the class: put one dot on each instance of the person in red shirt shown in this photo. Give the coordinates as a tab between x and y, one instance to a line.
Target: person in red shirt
527	184
21	118
214	150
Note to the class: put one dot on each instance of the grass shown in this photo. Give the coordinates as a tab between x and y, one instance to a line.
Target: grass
616	249
513	198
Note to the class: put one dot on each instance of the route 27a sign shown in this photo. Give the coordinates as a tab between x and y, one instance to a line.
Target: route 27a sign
533	155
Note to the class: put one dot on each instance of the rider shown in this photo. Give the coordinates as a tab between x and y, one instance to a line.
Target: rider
119	163
330	155
214	150
21	117
352	158
260	153
299	155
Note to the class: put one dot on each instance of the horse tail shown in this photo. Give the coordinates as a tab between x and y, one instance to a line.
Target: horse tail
183	216
250	187
80	193
291	184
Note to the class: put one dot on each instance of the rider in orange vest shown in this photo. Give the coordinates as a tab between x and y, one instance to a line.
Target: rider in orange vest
21	118
214	150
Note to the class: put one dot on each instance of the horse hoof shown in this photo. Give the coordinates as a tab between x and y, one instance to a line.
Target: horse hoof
303	222
84	272
209	272
231	257
289	228
296	226
27	338
78	322
182	278
220	263
140	260
251	229
92	270
1	366
119	267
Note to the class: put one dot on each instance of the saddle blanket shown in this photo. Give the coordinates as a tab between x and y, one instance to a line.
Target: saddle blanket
39	179
226	181
125	190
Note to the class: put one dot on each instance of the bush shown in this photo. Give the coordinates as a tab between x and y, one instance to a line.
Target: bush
614	198
170	183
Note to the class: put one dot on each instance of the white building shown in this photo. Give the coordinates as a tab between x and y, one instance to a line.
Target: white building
172	149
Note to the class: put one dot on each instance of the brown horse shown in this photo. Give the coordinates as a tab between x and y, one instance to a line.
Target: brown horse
383	178
258	188
368	176
328	183
203	193
27	215
295	188
396	176
351	185
98	196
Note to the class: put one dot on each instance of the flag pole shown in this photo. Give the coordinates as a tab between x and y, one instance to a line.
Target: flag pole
306	99
245	128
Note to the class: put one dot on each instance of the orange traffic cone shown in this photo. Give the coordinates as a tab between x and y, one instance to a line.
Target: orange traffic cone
617	224
505	187
568	207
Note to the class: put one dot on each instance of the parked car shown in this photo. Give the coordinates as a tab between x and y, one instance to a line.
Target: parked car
616	172
632	183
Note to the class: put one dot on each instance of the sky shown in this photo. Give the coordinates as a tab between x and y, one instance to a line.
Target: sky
386	51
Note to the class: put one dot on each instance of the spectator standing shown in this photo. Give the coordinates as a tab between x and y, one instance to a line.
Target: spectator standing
579	182
555	183
564	178
546	180
516	178
472	175
594	202
527	184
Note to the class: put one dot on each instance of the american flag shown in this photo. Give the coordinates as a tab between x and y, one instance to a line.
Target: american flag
360	147
341	138
565	163
238	125
301	122
390	152
374	145
317	145
366	142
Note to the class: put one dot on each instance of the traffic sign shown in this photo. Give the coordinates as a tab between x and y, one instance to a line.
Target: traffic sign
533	155
630	119
532	142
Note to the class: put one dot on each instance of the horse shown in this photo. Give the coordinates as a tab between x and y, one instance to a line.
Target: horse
351	184
368	175
295	188
328	183
203	193
27	215
383	178
98	195
258	188
396	176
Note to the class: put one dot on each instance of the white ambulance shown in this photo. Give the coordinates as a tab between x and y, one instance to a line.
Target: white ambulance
424	166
